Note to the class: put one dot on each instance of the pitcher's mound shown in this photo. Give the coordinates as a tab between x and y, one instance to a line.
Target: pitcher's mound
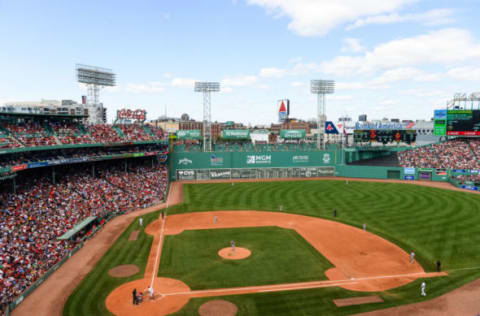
218	308
239	253
123	271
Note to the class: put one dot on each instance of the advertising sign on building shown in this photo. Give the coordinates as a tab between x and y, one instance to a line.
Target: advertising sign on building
283	110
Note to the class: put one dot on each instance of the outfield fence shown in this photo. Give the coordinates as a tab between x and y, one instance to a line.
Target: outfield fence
255	173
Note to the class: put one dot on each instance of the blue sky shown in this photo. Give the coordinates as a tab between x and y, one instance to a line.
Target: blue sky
390	58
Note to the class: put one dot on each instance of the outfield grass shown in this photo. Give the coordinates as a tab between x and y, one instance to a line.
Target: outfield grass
435	223
278	256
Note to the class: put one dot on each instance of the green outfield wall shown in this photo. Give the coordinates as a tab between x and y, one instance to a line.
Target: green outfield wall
292	164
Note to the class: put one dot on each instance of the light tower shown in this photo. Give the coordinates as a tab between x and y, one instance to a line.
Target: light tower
321	88
206	88
95	78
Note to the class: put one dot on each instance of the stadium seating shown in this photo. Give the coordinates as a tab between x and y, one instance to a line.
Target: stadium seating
32	219
455	154
27	133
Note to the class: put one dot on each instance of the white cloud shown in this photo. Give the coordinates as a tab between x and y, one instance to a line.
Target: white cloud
424	93
464	73
149	87
318	17
272	72
298	84
430	18
240	81
406	73
352	45
183	82
349	85
445	47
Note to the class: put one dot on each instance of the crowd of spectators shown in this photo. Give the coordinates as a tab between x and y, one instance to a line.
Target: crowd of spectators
135	132
32	219
7	142
13	159
71	133
454	154
49	133
463	179
29	133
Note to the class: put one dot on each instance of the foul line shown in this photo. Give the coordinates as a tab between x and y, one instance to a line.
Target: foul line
159	245
298	286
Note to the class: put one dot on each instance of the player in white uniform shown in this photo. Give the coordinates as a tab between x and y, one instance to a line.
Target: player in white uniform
412	257
422	287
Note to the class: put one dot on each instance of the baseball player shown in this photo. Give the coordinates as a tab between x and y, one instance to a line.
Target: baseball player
134	294
232	244
140	221
215	219
163	215
412	257
150	291
281	207
422	287
364	227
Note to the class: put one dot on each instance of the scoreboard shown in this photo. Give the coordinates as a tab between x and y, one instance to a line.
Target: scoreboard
463	123
385	136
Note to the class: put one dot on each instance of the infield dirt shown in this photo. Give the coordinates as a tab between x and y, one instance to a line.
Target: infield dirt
49	298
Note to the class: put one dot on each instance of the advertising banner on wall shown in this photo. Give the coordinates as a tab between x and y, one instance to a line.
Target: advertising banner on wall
236	134
189	134
292	133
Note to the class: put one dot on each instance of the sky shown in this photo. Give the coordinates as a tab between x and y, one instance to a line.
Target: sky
389	58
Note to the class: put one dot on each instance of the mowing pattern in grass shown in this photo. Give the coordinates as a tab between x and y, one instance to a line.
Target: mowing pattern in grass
278	256
89	297
435	223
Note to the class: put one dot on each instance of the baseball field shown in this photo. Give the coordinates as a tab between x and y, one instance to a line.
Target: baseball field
302	259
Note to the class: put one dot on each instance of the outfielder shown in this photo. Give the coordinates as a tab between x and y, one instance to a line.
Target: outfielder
140	221
422	287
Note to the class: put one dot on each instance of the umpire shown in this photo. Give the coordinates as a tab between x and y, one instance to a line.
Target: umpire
134	293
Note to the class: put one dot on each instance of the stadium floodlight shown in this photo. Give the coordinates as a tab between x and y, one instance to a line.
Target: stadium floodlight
95	78
321	88
207	88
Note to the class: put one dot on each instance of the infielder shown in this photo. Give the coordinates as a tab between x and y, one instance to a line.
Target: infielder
422	288
412	257
364	227
232	244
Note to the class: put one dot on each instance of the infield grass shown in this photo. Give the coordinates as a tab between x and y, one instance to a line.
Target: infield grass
278	256
435	223
89	297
